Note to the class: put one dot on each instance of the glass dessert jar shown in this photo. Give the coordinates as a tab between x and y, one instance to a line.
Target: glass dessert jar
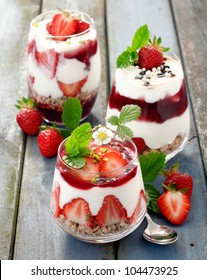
161	93
105	200
62	66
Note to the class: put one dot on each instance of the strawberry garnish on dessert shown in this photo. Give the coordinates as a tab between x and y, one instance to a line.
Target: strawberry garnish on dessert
48	61
111	164
111	212
28	118
49	140
180	180
90	172
62	25
78	211
71	90
81	26
143	52
175	206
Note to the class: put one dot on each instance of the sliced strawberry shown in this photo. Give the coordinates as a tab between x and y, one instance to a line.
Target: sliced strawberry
72	89
175	206
111	212
78	211
30	46
63	25
81	26
48	61
102	150
111	164
55	201
140	144
138	208
48	27
90	172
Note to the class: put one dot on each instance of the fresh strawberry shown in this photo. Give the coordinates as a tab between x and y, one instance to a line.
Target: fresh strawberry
55	201
140	144
49	141
149	57
28	118
111	164
175	206
179	180
62	25
48	62
72	89
90	172
138	208
81	26
111	212
78	211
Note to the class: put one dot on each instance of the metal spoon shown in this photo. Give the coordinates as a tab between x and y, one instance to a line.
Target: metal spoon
159	234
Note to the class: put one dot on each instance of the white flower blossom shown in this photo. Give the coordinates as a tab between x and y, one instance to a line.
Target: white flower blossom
102	135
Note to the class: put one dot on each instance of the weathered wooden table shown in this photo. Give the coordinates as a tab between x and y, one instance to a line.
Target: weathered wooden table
26	228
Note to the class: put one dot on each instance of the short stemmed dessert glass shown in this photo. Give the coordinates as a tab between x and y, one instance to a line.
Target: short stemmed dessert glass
60	67
97	206
161	94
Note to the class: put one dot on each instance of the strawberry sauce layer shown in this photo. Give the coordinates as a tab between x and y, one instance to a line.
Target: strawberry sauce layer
154	112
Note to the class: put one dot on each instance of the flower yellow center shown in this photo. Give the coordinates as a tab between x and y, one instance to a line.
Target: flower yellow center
102	135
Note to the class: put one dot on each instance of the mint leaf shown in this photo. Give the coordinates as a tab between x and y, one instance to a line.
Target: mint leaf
72	111
141	37
152	196
151	165
79	138
129	113
78	162
124	60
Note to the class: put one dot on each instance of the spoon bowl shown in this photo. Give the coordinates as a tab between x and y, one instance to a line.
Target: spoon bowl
159	234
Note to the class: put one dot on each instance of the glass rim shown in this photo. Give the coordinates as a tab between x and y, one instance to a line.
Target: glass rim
130	162
44	15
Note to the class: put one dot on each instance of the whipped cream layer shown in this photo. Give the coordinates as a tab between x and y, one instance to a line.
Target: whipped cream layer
127	84
157	135
127	193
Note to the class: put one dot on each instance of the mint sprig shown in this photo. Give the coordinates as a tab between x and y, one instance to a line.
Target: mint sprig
128	113
130	55
72	111
76	146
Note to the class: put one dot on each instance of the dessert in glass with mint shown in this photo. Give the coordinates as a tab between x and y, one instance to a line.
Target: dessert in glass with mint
151	77
98	192
63	61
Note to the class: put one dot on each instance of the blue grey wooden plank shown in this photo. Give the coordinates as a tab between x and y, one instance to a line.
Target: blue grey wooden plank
38	237
193	42
193	238
13	36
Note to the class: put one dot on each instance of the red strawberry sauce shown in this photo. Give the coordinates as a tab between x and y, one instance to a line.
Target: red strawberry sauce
160	111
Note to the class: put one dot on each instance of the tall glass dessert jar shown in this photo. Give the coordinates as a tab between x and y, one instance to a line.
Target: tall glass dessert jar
63	61
154	81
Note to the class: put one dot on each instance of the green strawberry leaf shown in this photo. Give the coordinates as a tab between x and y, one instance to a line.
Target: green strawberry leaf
125	130
151	165
72	111
129	113
152	195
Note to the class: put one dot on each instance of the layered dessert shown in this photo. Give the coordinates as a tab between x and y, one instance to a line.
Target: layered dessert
104	200
154	81
63	61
